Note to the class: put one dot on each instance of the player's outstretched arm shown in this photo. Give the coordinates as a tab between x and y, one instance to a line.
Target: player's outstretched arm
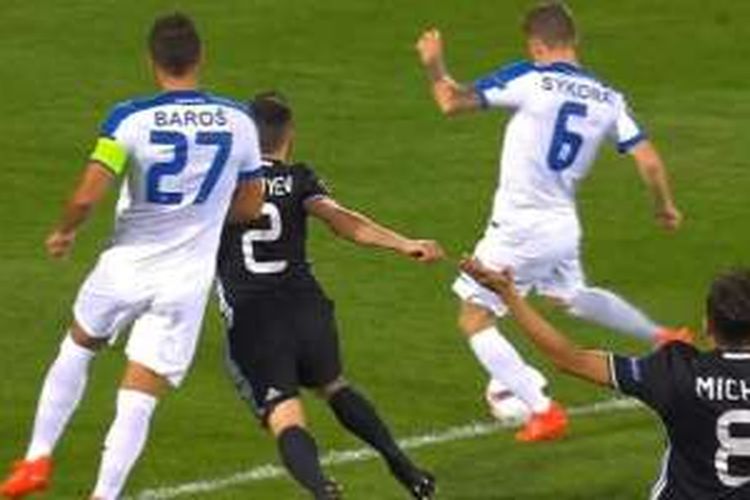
247	202
587	364
654	175
362	230
451	97
91	188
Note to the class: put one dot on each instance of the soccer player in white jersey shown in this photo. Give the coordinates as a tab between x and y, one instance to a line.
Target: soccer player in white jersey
191	159
560	115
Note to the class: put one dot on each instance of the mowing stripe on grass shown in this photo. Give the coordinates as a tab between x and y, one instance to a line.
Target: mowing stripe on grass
458	433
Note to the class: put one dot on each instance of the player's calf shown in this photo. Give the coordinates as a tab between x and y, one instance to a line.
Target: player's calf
127	436
63	389
298	450
359	417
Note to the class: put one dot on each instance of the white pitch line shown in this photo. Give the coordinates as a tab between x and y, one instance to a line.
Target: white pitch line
458	433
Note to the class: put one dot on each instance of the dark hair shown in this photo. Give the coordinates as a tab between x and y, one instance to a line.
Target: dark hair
552	23
728	306
273	117
174	44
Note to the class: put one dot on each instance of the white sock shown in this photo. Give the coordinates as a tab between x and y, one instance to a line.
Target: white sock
503	363
532	373
125	442
62	391
608	309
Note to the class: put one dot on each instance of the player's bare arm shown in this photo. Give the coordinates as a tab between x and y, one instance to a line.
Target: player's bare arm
587	364
362	230
247	202
91	188
654	175
451	97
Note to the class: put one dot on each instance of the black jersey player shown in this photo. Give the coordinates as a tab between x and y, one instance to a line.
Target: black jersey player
281	328
703	398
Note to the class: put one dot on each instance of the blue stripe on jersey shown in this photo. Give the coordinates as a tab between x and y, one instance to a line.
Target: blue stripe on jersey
249	175
508	73
626	146
501	78
124	109
215	99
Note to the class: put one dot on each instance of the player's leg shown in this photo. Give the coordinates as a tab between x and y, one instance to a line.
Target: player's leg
477	315
99	313
298	450
600	306
478	311
320	369
262	362
139	392
160	351
62	391
359	416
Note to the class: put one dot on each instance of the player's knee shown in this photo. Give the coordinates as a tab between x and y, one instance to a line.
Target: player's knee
473	319
284	415
141	378
327	391
84	339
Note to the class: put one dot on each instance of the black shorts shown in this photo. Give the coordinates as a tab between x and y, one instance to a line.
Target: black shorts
281	342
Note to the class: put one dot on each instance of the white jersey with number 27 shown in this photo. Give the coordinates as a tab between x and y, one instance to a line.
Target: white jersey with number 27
182	154
561	114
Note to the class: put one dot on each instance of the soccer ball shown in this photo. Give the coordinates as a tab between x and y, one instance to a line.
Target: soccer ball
504	406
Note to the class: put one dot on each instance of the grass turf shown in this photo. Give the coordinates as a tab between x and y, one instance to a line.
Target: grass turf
366	121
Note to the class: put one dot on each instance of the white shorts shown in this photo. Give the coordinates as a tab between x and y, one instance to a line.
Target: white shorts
544	257
165	308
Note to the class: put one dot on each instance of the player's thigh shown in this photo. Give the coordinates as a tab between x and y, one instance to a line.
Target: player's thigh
164	337
260	358
479	305
108	299
319	354
565	280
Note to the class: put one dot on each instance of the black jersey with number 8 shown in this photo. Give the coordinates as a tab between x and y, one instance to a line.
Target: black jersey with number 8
704	401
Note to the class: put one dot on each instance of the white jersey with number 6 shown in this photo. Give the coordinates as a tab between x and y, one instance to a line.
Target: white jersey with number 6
561	114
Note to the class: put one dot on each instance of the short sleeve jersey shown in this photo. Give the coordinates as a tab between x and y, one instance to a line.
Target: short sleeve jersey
703	399
560	115
270	254
181	154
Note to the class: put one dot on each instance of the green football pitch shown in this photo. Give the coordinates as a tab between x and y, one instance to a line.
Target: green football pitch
366	121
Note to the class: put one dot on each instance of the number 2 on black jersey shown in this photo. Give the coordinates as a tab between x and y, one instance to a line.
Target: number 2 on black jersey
252	236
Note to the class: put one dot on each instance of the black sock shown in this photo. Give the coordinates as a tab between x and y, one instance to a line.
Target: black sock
355	413
300	456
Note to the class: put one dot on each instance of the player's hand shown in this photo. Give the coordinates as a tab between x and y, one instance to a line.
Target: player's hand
500	282
430	47
426	251
669	217
59	243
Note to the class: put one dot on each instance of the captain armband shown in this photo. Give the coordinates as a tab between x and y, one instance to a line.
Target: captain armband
111	154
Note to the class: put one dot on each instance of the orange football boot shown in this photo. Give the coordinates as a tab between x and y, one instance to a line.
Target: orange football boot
666	335
547	426
28	476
